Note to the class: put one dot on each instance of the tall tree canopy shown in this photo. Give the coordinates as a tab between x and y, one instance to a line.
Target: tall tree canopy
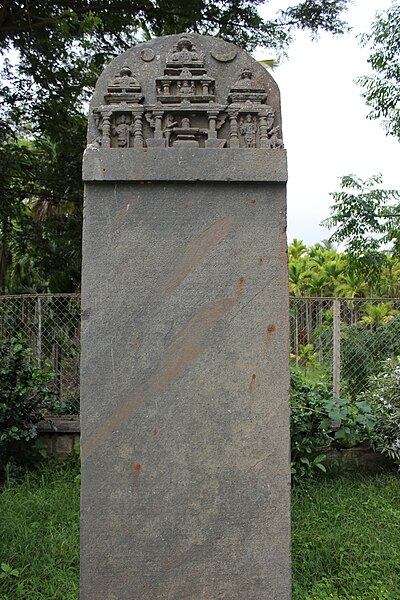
63	45
52	54
366	219
382	87
365	216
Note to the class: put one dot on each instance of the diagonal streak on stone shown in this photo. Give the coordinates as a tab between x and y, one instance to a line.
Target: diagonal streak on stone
179	355
197	249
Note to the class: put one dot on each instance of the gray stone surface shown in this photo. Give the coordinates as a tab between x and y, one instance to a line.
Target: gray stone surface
130	164
185	378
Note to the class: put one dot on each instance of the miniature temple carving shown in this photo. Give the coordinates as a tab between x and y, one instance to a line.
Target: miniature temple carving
120	118
248	105
185	111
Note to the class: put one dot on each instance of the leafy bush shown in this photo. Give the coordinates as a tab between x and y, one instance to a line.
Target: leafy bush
307	438
384	394
319	420
27	392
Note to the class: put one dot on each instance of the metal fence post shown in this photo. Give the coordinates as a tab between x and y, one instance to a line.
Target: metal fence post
39	331
336	347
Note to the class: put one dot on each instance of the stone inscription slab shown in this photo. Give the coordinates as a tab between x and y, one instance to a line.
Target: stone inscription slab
184	373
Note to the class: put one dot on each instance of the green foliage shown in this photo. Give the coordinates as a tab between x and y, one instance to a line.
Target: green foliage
318	420
58	51
322	271
350	422
40	212
366	219
39	533
382	88
307	356
26	392
345	542
384	394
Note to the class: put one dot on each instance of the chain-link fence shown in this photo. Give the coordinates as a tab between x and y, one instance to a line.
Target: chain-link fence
51	325
342	340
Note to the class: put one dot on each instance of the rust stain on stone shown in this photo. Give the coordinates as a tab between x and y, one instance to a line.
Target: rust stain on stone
270	330
253	201
186	205
252	383
179	355
137	467
197	249
261	260
240	286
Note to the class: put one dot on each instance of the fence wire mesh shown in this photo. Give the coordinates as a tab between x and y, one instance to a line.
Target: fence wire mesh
349	348
339	339
51	325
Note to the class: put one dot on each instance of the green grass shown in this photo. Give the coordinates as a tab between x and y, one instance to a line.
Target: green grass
39	534
346	541
346	538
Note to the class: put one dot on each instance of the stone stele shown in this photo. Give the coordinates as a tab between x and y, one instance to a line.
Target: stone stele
185	342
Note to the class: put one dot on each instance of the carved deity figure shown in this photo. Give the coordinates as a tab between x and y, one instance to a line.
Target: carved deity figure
185	52
270	119
122	129
246	80
274	140
185	88
185	123
125	81
248	129
170	124
246	74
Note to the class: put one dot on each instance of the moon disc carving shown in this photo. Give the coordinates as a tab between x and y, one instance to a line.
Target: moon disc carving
147	54
226	57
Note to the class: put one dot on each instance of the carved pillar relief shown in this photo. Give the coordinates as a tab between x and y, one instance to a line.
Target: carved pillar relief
106	131
234	130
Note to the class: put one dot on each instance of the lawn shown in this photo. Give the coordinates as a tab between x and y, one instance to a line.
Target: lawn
346	541
39	535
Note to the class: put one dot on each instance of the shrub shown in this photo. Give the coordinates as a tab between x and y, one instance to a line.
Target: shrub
319	420
27	392
384	394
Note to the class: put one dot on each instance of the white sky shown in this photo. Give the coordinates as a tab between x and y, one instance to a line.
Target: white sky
325	129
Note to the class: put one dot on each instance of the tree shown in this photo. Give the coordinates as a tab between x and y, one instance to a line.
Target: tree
366	219
382	88
378	314
63	45
366	216
58	51
296	249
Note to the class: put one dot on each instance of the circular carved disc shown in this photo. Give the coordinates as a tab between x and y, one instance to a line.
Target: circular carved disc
227	57
147	54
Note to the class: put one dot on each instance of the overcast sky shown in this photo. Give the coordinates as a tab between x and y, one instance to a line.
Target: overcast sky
325	129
